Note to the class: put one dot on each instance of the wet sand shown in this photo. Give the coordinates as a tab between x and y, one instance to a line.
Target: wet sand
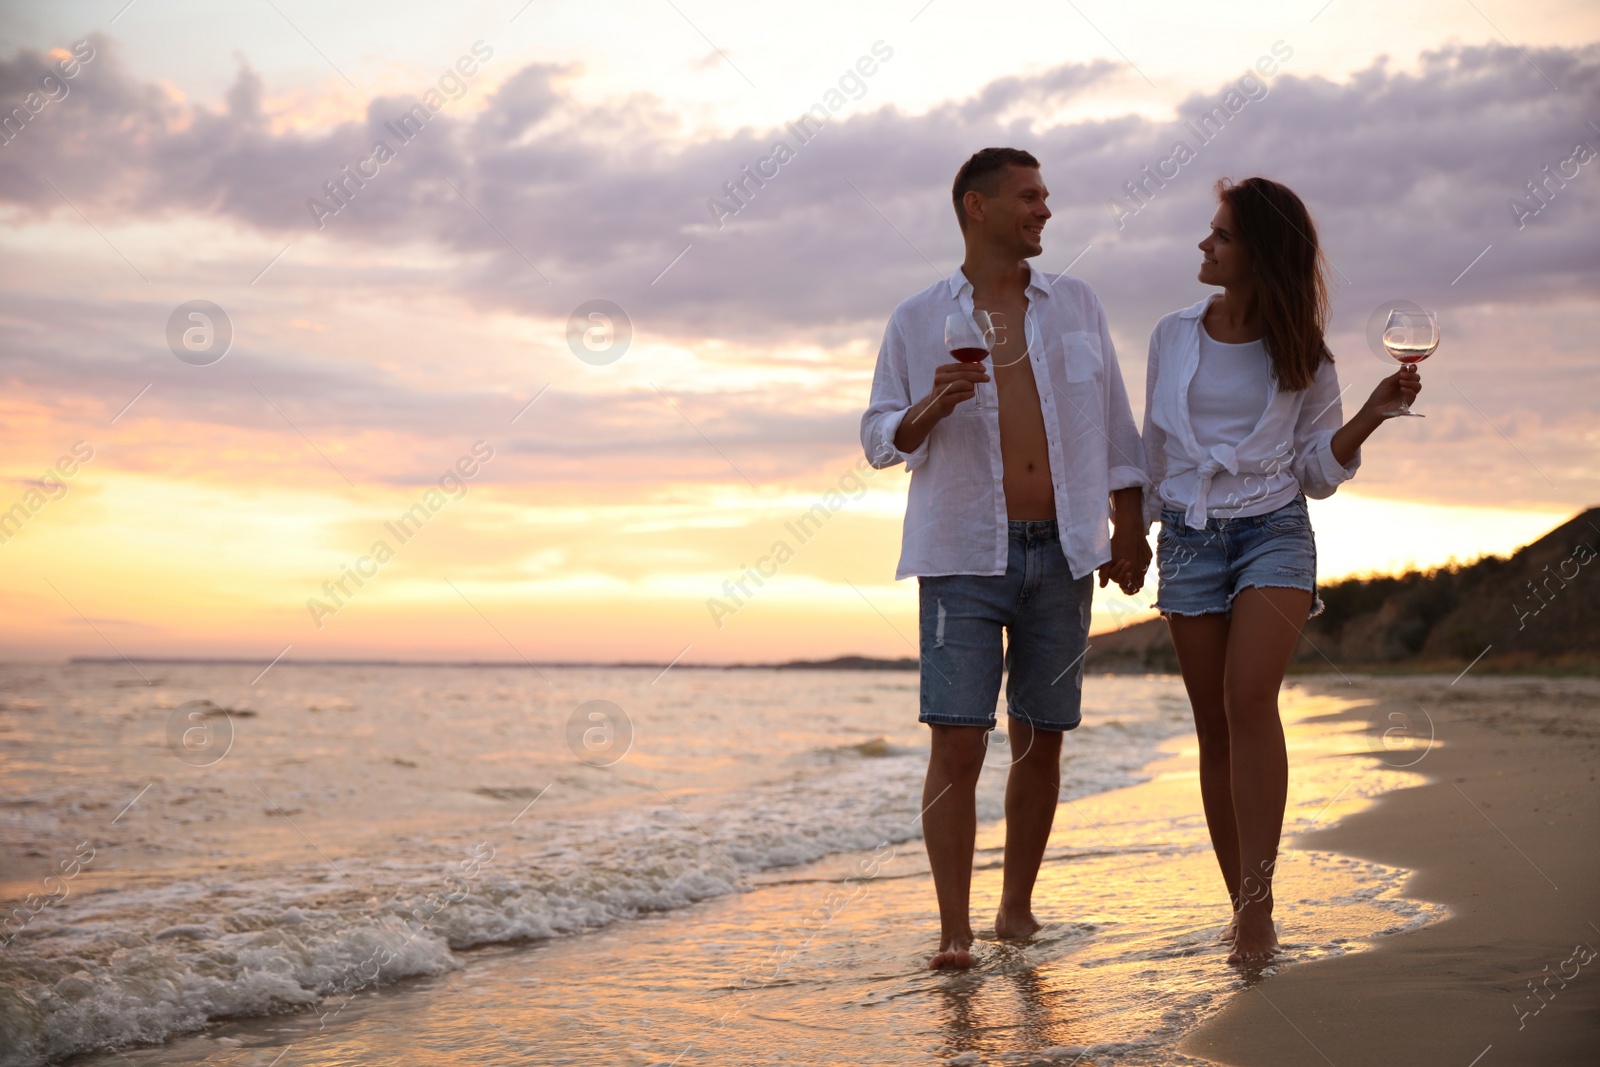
1506	833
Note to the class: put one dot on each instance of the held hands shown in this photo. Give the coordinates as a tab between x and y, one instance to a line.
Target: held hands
1130	558
1400	387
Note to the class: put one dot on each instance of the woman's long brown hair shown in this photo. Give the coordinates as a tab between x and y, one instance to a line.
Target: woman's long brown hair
1276	229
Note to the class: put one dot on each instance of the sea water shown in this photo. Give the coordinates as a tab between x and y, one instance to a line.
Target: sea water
470	865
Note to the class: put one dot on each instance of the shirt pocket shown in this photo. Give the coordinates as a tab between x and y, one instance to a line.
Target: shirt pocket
1082	350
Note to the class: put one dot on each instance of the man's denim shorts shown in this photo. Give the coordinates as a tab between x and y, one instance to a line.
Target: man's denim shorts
1045	613
1202	570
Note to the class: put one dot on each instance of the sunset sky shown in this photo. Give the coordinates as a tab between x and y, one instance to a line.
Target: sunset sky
443	304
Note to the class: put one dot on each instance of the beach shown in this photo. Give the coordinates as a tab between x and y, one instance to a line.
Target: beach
1506	834
412	866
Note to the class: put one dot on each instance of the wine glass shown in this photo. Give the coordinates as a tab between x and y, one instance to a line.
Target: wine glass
969	339
1410	337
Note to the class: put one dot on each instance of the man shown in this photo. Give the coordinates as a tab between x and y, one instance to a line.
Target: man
1006	518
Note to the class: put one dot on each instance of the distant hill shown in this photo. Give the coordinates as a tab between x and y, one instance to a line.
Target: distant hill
851	663
1539	609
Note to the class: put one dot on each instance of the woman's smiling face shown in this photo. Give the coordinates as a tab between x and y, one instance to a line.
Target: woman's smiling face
1224	258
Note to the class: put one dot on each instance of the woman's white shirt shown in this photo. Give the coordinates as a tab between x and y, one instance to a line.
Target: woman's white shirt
1221	439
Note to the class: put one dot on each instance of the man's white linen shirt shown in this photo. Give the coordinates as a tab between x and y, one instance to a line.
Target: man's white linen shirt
956	508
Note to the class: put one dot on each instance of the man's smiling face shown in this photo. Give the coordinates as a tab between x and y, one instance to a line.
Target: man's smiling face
1017	212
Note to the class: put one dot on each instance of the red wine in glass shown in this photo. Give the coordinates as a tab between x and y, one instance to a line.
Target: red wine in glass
969	339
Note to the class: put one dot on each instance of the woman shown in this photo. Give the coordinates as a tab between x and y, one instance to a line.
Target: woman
1242	423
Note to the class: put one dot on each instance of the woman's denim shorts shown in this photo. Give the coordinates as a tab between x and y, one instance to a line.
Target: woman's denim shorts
1202	570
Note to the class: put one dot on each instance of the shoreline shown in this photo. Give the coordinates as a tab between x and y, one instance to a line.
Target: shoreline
1502	833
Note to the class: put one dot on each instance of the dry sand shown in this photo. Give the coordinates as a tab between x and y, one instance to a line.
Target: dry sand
1507	834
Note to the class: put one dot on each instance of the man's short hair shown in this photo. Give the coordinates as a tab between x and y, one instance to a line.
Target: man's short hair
983	172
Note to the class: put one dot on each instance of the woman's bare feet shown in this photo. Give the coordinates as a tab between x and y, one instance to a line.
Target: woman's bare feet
953	953
1255	938
1015	923
1230	931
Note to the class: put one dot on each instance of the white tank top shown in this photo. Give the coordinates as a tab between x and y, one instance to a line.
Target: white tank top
1229	390
1227	397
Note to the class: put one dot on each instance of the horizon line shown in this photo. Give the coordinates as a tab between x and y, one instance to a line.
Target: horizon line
235	661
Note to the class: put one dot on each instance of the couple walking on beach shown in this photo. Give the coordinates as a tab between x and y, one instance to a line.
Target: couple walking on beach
1014	485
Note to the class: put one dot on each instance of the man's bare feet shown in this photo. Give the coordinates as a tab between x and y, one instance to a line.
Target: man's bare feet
1255	939
1016	923
1230	931
953	953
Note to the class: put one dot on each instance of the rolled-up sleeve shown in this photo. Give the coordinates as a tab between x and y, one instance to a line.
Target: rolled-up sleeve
1321	416
1125	458
891	399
